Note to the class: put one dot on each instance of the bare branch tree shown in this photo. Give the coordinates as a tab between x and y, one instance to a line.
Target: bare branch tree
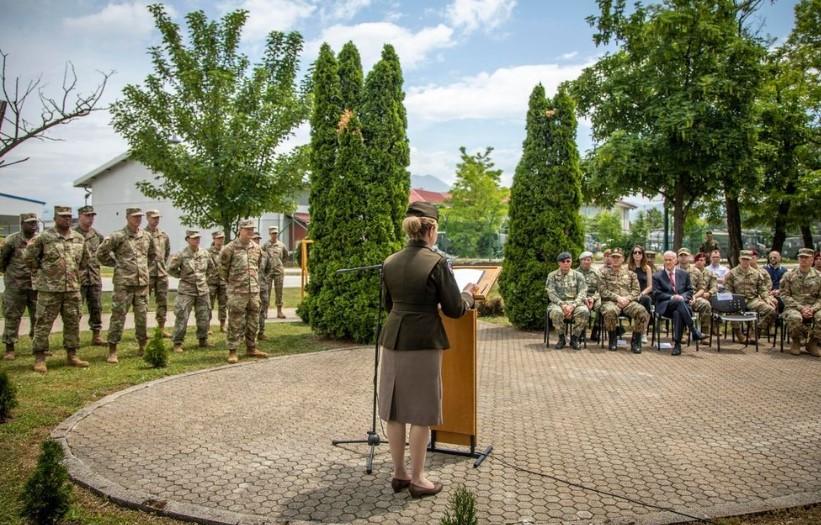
55	111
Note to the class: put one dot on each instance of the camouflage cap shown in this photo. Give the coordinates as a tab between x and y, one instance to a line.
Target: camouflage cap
133	211
650	254
192	234
153	213
806	252
28	217
683	251
616	252
62	210
422	209
607	252
87	210
746	254
247	223
273	229
256	236
217	235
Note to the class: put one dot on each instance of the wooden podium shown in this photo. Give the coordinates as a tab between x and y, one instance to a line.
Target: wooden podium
459	372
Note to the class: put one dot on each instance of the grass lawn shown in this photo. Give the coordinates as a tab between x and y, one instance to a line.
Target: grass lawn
44	401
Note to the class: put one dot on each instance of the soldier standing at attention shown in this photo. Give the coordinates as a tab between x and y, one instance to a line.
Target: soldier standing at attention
278	254
19	291
266	275
620	293
239	267
593	299
91	283
59	256
567	292
216	285
801	292
191	267
130	251
157	272
709	244
749	282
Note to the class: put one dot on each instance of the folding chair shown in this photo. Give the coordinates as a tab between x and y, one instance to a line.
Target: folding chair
733	310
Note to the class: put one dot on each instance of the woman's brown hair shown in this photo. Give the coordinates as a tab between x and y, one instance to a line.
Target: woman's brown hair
631	263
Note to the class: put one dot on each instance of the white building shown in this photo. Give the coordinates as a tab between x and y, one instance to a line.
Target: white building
620	208
11	206
112	188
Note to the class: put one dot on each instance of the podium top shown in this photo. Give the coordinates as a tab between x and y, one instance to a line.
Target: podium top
482	276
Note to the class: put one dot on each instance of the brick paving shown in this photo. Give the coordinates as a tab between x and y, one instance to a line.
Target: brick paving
707	434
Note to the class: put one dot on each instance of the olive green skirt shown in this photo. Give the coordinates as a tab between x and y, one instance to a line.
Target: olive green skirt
410	386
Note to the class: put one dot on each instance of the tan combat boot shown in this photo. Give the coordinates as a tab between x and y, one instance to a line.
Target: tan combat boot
812	347
232	356
178	348
262	337
96	340
112	353
203	343
40	363
141	347
795	346
252	351
280	315
161	326
73	360
9	355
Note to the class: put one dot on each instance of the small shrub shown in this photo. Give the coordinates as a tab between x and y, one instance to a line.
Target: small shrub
8	397
156	354
491	307
461	509
47	493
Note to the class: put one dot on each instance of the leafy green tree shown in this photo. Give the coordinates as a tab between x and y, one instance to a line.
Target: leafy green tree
229	120
46	496
544	206
645	222
607	229
351	78
477	206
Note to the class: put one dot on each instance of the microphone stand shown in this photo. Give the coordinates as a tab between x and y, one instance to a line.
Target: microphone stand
373	439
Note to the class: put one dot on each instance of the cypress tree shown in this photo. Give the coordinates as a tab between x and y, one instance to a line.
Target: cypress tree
8	396
46	496
350	77
156	354
544	207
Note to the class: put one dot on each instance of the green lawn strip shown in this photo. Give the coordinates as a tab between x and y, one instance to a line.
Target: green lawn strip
45	401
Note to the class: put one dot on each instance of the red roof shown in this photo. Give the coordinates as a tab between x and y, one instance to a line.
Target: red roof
436	197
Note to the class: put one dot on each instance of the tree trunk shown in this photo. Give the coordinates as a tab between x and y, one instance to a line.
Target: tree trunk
780	225
679	216
226	229
733	227
806	234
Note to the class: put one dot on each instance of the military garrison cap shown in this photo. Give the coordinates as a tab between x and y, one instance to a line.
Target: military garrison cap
217	235
192	234
746	254
806	252
247	223
62	210
28	217
87	210
153	213
563	256
133	211
616	251
423	209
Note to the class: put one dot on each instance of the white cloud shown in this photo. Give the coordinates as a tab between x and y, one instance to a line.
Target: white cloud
568	56
126	18
342	9
470	15
265	16
370	37
501	94
442	164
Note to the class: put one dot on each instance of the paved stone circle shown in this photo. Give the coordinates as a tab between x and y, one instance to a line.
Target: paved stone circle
706	434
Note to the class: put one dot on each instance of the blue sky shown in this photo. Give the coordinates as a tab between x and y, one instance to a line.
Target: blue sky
469	66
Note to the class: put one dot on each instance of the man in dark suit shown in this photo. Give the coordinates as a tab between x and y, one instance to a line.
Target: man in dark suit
672	292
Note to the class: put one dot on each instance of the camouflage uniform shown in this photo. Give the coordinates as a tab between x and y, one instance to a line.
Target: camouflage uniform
567	289
709	285
278	254
191	268
707	247
130	254
216	285
593	280
91	282
239	267
59	262
700	305
158	273
266	275
19	291
800	289
622	283
755	289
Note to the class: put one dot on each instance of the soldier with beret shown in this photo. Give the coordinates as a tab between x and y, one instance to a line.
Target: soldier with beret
278	254
158	272
620	293
567	292
749	282
801	292
593	297
19	291
216	285
91	282
416	282
239	267
130	251
59	257
191	267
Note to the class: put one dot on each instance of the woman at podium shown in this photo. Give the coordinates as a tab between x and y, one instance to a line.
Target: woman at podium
417	281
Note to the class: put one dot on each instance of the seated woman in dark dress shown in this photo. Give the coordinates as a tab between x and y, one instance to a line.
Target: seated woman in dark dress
644	272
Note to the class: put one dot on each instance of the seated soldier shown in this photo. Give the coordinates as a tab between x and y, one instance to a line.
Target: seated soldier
593	299
567	292
619	294
749	282
801	292
705	289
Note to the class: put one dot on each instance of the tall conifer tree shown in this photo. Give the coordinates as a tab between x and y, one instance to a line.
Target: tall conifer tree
351	77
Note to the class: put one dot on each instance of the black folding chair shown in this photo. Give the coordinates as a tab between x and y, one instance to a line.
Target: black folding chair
733	311
568	328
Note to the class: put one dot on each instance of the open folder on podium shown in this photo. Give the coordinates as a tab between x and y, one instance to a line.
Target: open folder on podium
459	387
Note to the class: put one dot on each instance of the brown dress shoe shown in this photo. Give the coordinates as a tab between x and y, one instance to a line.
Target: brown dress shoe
420	492
399	485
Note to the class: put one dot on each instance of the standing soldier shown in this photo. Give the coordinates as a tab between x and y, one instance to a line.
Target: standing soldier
801	292
157	272
749	282
593	299
91	283
216	285
278	254
567	292
59	257
239	267
709	244
266	275
191	267
620	293
19	291
130	251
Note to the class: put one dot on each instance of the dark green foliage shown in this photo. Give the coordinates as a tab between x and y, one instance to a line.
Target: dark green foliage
156	353
351	77
47	493
8	397
544	207
462	508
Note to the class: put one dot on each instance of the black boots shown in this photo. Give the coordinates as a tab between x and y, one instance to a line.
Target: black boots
574	342
560	343
613	340
677	348
635	343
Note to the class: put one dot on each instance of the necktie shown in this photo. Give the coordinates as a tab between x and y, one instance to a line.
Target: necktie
673	279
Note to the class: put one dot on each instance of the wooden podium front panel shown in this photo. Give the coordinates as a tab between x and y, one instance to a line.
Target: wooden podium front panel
459	381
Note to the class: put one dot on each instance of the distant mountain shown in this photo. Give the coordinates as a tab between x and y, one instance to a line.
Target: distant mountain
429	182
